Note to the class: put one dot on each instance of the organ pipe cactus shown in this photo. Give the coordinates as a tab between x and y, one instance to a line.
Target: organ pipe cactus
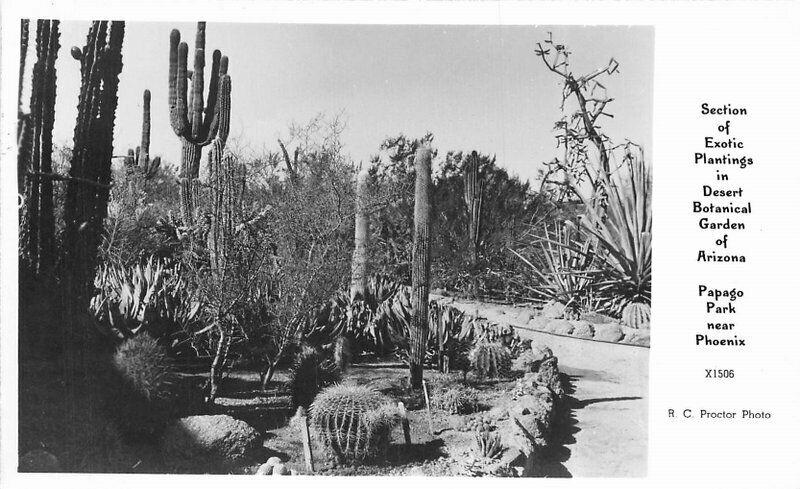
88	184
196	123
359	271
141	157
421	265
36	149
473	197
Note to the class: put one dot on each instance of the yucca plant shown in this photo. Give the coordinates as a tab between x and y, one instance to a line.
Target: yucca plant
624	231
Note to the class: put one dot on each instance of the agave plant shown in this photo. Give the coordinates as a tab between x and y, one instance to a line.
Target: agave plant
564	272
149	296
623	231
369	319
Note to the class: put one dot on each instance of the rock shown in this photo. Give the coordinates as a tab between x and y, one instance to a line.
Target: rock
39	461
560	326
553	310
210	441
272	461
538	323
280	469
522	317
608	332
596	318
638	337
547	376
582	329
264	469
529	360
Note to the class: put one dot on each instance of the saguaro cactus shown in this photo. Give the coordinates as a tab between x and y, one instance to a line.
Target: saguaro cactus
194	122
421	265
141	157
473	197
225	213
88	184
36	152
359	270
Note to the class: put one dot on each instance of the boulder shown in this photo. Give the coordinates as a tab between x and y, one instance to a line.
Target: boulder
596	318
582	329
538	323
521	317
608	332
267	467
553	310
530	359
560	326
638	337
208	442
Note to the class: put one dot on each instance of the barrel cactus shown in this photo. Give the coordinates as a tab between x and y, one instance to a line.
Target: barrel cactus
353	422
490	359
636	315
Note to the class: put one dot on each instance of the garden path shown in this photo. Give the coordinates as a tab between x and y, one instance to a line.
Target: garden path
606	434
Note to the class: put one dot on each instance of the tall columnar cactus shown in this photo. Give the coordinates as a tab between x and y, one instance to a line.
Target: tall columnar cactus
194	122
225	205
473	197
89	180
359	269
421	265
22	117
141	157
36	151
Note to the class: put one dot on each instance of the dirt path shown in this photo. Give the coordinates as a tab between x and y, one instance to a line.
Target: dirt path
606	435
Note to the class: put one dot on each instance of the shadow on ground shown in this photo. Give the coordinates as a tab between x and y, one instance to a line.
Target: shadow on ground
552	457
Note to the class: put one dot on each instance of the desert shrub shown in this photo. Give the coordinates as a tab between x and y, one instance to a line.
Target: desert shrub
490	359
455	399
354	423
144	394
636	315
310	373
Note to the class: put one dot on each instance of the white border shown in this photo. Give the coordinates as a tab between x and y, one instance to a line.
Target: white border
702	50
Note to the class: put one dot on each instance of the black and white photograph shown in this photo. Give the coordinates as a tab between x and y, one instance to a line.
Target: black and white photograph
365	243
319	249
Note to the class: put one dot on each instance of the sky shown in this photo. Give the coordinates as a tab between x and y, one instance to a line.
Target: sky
475	87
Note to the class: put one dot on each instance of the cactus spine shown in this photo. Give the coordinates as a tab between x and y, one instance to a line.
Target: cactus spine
421	265
36	151
88	185
194	122
359	270
141	157
473	197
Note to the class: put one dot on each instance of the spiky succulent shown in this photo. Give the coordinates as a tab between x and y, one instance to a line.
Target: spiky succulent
454	399
310	373
636	315
489	359
353	422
